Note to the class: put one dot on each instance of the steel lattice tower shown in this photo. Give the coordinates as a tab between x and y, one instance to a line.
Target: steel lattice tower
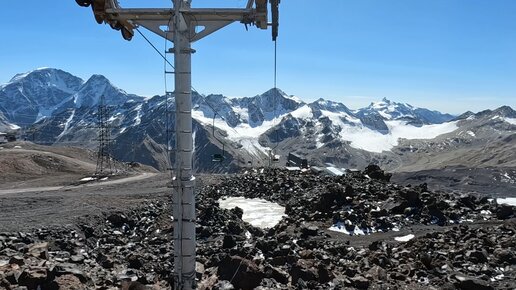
105	165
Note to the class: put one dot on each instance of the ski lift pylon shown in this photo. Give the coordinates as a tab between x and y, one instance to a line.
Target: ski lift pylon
217	157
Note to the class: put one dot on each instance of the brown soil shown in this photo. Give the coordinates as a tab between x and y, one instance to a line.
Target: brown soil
24	165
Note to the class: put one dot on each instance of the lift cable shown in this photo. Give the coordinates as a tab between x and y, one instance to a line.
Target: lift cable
204	99
275	62
153	46
273	158
193	89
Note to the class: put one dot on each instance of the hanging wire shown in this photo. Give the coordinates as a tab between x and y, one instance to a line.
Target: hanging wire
153	46
192	87
275	62
273	155
203	98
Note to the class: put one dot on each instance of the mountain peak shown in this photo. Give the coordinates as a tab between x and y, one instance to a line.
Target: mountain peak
21	76
49	76
505	111
275	91
98	79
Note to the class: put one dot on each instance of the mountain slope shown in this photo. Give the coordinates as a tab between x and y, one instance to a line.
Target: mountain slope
248	130
37	94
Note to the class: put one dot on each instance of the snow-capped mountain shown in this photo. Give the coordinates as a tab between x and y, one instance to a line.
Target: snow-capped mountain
37	94
251	111
390	110
90	93
64	110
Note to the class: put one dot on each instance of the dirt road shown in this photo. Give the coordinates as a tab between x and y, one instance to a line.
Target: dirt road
141	176
30	208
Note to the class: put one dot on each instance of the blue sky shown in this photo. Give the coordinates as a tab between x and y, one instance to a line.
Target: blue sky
450	55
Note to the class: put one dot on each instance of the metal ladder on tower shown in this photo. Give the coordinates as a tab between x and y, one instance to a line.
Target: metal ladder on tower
168	70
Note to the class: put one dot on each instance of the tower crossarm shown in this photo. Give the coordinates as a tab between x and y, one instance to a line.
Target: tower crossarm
204	21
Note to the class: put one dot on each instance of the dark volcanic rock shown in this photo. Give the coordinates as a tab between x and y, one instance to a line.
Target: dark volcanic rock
375	172
462	241
243	273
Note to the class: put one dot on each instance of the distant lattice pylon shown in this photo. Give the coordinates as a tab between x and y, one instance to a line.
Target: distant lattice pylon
105	164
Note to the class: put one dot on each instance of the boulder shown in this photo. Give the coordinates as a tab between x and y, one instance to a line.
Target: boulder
243	273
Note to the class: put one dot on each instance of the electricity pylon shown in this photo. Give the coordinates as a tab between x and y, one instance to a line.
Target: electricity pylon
183	25
105	164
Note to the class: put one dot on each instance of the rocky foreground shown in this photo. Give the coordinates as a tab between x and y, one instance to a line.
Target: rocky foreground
461	241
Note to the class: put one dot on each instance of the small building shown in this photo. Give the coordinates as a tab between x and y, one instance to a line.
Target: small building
295	160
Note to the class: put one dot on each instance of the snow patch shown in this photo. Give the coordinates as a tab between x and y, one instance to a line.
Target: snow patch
336	118
374	141
244	133
258	212
341	228
511	121
507	200
138	118
242	112
304	112
471	133
404	238
67	124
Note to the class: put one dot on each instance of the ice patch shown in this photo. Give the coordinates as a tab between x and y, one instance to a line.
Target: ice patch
507	200
336	118
341	228
258	212
138	118
305	112
242	112
511	121
67	124
364	138
14	127
88	179
404	238
244	133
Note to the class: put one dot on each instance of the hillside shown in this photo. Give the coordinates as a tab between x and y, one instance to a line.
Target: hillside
27	165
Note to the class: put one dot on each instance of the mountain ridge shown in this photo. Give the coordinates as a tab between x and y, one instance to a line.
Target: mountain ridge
248	129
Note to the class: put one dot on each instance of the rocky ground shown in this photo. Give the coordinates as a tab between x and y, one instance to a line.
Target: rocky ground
461	241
